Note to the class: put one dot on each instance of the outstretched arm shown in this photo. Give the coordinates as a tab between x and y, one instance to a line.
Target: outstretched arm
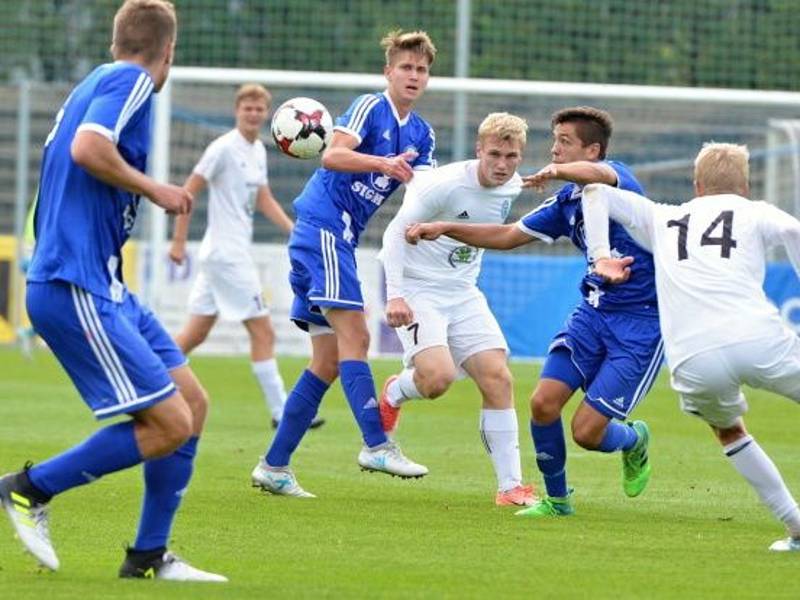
580	172
495	237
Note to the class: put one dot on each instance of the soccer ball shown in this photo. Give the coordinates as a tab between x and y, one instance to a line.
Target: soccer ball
302	128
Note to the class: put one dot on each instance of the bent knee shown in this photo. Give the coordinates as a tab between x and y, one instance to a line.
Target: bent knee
435	385
544	409
196	397
326	368
586	437
728	435
173	434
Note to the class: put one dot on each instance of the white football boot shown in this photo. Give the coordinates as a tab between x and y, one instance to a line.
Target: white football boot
788	544
388	458
279	481
30	520
160	564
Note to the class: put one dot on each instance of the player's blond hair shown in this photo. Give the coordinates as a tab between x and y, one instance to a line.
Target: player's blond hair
143	28
504	126
723	168
418	42
253	91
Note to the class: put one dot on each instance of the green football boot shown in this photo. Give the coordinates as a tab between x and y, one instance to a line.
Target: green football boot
635	464
549	506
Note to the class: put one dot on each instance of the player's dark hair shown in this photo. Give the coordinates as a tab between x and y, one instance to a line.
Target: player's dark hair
592	125
143	28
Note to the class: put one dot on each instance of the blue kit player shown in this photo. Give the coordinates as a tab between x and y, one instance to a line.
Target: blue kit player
377	145
115	351
611	343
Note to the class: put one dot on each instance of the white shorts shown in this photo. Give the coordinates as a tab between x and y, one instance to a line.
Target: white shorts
459	320
231	290
709	383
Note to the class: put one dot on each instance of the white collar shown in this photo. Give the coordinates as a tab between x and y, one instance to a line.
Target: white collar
400	121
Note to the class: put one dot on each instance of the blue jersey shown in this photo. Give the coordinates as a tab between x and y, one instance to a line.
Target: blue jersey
343	202
81	222
561	215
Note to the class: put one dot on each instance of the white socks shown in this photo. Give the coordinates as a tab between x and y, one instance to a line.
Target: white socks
761	473
500	435
271	382
403	388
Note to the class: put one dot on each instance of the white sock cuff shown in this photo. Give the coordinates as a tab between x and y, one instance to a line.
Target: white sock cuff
499	420
267	367
738	445
407	385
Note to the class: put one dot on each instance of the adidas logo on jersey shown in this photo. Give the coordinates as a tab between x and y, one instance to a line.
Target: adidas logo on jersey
463	215
387	135
371	403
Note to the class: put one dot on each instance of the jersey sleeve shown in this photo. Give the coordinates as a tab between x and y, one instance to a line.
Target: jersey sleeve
117	99
625	178
423	200
425	159
545	222
356	121
779	228
209	164
633	211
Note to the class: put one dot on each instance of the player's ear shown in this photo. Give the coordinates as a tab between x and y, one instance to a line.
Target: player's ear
478	149
698	188
169	54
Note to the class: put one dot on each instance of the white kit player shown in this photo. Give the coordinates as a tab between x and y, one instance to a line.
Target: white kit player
720	330
440	315
234	167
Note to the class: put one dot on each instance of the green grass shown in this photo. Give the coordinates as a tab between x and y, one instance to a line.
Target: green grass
698	531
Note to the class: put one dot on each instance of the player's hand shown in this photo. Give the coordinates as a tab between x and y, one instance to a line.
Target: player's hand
398	313
177	252
173	198
613	270
424	231
538	180
399	167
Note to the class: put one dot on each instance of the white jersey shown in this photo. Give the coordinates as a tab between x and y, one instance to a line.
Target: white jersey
710	256
449	193
235	169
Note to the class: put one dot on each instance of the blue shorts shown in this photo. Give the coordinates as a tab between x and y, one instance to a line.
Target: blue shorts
117	355
614	357
323	275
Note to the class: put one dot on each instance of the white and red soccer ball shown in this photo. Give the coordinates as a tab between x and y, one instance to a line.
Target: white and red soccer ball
302	128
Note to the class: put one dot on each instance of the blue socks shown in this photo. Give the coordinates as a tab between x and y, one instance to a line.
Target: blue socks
111	449
165	481
359	387
303	402
618	437
300	409
551	456
551	450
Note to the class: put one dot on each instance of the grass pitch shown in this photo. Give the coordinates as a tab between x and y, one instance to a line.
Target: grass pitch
697	532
